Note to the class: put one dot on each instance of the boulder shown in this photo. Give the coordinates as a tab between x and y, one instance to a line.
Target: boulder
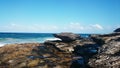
78	62
108	55
117	30
61	46
97	39
69	46
67	37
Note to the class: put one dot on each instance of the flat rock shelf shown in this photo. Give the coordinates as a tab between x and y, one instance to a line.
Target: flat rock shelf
72	51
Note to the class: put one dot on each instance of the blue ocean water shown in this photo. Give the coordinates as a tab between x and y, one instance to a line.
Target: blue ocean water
11	38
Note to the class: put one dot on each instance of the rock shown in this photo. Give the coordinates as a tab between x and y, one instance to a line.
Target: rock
67	37
96	51
84	47
105	38
117	30
78	62
10	61
86	50
33	63
52	54
117	39
22	65
108	55
110	34
61	46
97	39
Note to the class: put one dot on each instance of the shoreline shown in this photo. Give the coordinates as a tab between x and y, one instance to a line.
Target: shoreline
72	51
47	39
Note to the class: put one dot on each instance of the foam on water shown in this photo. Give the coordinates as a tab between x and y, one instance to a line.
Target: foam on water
2	44
52	39
11	38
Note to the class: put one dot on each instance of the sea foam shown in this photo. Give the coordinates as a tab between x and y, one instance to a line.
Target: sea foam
2	44
52	39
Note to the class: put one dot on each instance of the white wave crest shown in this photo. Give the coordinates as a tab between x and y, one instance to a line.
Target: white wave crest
52	39
2	44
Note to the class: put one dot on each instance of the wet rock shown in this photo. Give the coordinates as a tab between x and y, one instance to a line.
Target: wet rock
67	37
34	57
78	62
86	50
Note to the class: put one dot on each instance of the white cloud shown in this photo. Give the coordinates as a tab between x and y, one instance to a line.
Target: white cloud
73	27
12	24
97	26
41	27
76	26
17	27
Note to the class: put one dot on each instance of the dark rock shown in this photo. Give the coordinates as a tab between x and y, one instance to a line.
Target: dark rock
67	37
78	63
110	35
86	50
105	38
117	30
69	46
34	57
108	55
61	46
51	55
117	39
97	39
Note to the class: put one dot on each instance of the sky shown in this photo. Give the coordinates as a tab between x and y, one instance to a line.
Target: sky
55	16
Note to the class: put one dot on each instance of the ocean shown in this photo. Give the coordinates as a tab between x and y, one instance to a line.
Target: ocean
12	38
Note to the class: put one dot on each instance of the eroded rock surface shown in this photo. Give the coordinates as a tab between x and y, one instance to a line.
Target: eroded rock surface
33	55
96	51
67	37
108	54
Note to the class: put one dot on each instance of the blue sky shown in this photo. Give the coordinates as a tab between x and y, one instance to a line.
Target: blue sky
78	16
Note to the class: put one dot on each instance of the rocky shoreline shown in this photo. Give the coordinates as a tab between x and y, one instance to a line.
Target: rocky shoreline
72	51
